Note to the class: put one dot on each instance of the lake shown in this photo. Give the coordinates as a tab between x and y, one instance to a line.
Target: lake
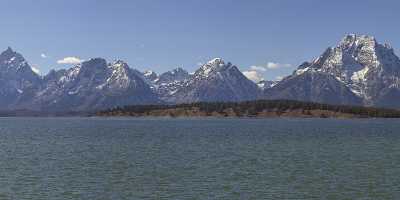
160	158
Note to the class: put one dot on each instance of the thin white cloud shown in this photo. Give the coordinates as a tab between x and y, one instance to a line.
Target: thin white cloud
70	60
269	65
273	65
43	55
258	68
253	75
35	69
257	73
279	78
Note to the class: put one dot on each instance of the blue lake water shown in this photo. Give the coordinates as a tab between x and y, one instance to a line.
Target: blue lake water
126	158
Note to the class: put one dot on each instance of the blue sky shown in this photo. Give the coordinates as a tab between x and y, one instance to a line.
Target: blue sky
164	34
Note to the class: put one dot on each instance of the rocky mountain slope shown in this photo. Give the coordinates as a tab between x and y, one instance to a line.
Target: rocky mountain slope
94	84
214	81
265	84
313	87
168	82
18	82
357	71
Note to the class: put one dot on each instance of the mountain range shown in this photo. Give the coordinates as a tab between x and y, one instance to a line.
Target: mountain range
358	71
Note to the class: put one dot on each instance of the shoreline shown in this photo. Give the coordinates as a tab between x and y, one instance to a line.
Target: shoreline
247	109
257	108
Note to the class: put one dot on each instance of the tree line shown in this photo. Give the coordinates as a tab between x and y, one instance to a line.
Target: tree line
252	108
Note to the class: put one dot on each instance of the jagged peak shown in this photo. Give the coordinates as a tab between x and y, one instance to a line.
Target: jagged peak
356	39
213	64
9	50
116	62
178	69
351	44
216	65
149	73
10	55
119	64
305	64
55	71
216	61
388	46
53	74
93	63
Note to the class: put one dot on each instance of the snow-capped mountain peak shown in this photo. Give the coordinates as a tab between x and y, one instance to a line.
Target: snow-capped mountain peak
351	40
266	84
214	81
362	64
18	82
150	76
175	75
216	61
148	73
350	60
12	60
178	71
119	77
9	54
93	64
95	84
212	66
119	63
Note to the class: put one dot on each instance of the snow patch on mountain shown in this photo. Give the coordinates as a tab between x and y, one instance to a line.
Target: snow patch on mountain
368	68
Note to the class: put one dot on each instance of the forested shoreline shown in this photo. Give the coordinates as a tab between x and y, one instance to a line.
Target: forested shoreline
258	108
